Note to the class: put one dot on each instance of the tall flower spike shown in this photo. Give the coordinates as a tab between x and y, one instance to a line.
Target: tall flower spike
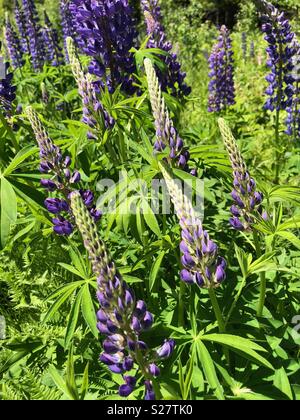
53	52
13	45
221	86
94	114
293	117
34	34
202	264
62	180
7	92
172	77
247	201
20	21
106	32
121	318
280	50
67	25
166	134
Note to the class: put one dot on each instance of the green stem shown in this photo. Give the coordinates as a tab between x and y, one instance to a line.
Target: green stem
263	280
181	305
155	384
9	132
220	319
237	296
217	310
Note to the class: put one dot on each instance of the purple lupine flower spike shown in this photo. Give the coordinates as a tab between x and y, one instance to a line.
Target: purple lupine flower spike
281	51
106	32
63	182
166	134
13	45
94	113
247	200
67	25
120	318
172	77
34	34
7	93
53	52
21	25
293	110
221	86
200	257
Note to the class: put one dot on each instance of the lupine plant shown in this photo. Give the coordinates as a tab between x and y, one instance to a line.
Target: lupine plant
147	251
221	85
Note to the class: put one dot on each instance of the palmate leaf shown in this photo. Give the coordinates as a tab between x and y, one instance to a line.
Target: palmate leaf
240	344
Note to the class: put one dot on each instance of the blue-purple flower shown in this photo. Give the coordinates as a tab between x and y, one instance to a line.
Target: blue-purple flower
172	77
293	110
7	93
121	318
166	134
247	200
21	25
221	86
67	25
106	32
13	45
202	264
34	34
281	51
53	52
62	180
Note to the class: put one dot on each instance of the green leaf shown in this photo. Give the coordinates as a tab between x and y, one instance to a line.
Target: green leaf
290	237
209	370
241	344
8	209
150	218
73	319
88	310
154	270
281	381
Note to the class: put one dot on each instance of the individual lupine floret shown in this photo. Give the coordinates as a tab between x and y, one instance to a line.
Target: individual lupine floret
34	34
200	257
293	111
13	45
172	76
281	52
53	52
166	134
7	92
63	181
106	32
121	318
247	200
221	86
21	24
94	114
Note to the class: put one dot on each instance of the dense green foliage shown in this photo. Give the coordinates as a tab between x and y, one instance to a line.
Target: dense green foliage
47	287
